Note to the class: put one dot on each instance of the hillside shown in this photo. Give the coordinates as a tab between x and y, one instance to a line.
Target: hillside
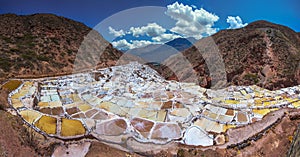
45	44
261	53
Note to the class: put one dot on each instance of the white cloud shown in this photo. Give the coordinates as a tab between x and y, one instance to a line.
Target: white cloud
116	33
235	22
156	32
165	37
140	43
123	44
191	23
151	30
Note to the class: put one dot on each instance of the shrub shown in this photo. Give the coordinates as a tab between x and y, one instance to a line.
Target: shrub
43	58
5	64
252	77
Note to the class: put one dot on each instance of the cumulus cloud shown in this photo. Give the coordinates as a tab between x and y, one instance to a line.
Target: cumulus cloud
140	43
165	37
151	30
156	32
116	33
235	22
123	44
191	22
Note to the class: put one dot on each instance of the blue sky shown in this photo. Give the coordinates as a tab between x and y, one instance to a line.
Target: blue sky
115	14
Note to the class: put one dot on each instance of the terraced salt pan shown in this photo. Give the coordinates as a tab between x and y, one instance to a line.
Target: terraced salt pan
133	102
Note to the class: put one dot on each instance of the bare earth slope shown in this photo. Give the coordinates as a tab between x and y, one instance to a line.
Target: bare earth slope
11	135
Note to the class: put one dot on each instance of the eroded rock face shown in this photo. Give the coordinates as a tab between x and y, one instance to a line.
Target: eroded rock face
113	127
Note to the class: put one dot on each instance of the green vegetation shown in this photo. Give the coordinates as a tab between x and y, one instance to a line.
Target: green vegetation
32	56
14	50
5	64
12	85
252	77
62	54
43	58
56	41
2	106
26	41
180	153
6	39
29	55
70	52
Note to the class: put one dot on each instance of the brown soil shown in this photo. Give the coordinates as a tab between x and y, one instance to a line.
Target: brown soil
98	149
3	99
275	143
14	138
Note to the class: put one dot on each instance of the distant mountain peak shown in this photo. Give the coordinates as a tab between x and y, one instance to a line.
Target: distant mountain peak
159	52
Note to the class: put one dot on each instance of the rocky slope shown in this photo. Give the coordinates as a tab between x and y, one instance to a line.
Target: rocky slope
45	44
261	53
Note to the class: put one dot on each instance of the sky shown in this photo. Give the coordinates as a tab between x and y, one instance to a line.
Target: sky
135	23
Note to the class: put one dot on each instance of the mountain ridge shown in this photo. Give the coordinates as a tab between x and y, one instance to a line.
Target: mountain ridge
159	52
262	53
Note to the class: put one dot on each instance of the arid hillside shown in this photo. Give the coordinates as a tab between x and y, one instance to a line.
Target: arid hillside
46	44
261	53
